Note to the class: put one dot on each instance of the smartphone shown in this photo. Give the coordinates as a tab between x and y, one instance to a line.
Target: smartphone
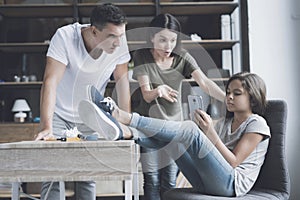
195	102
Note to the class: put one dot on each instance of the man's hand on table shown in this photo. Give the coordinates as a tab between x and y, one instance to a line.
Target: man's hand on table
44	135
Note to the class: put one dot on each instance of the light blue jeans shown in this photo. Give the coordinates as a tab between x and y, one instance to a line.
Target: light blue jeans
83	190
197	158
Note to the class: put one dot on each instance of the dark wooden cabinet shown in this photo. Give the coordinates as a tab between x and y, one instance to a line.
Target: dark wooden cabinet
15	132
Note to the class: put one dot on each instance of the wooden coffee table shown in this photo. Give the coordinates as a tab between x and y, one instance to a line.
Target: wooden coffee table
39	161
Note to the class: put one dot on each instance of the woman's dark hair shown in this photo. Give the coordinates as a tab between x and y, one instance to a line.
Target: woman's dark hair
256	88
107	13
165	21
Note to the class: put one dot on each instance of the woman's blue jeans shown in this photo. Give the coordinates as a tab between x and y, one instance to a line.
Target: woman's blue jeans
197	158
159	172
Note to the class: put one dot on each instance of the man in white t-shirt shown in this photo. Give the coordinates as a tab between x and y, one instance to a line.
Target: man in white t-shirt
80	55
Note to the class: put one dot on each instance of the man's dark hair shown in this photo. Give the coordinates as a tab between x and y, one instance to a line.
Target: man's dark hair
107	13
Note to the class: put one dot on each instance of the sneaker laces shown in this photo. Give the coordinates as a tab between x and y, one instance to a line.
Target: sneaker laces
109	104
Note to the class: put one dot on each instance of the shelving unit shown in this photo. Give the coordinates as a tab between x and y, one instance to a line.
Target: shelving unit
37	10
24	47
195	8
132	9
34	47
13	47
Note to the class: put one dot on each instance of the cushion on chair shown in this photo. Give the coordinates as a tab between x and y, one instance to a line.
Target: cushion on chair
274	173
190	194
273	181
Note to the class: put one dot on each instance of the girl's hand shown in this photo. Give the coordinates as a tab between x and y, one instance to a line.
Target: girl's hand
204	121
166	92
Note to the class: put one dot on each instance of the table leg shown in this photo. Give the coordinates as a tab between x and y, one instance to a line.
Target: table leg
136	173
62	195
128	189
136	186
15	191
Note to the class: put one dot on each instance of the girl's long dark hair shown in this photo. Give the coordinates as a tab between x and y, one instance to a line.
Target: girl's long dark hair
256	88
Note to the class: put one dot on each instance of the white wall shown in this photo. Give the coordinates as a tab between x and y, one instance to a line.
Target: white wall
274	37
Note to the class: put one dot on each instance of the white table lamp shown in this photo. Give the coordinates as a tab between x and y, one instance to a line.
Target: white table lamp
20	106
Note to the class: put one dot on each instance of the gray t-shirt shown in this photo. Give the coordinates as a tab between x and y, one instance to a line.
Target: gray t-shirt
247	172
182	67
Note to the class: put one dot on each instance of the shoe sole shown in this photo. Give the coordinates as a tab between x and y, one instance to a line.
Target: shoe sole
96	119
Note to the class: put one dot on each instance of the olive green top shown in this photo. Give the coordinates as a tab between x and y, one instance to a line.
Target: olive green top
182	67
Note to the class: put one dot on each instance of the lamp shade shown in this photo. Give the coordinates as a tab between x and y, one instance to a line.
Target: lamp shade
20	105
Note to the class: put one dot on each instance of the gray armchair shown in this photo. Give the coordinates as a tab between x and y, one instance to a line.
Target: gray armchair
273	181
